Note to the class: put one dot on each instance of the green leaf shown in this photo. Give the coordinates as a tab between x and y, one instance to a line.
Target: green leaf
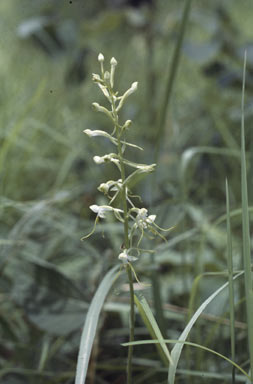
176	351
91	322
151	325
231	282
246	233
49	298
183	342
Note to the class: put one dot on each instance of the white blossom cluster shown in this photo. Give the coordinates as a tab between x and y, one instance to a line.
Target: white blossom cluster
139	221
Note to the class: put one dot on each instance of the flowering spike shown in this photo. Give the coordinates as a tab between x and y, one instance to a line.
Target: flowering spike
118	192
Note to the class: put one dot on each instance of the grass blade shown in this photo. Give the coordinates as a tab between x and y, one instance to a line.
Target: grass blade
183	342
176	351
171	78
152	327
91	322
231	283
246	232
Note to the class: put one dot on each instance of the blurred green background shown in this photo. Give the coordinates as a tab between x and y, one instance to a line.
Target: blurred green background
48	52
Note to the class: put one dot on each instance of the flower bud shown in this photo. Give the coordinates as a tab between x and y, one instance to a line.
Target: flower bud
107	76
96	77
113	65
131	90
127	124
134	86
101	57
113	62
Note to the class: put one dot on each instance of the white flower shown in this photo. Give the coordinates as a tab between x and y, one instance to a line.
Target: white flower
125	257
142	218
100	108
103	209
96	132
106	158
131	90
111	184
99	159
91	133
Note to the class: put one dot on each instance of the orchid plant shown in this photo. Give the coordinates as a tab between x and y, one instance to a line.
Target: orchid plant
121	203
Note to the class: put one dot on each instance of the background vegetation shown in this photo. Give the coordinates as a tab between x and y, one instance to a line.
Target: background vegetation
48	180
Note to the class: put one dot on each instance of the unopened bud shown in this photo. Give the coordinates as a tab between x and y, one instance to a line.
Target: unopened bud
128	123
113	66
101	57
107	75
96	106
134	86
96	77
129	92
113	62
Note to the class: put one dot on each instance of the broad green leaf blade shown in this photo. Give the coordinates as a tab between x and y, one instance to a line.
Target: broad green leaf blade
246	233
151	325
231	282
90	325
176	351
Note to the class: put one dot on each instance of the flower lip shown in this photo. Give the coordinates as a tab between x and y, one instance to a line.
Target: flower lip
125	257
103	209
98	159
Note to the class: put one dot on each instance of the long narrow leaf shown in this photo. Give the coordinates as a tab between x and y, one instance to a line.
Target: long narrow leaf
183	342
171	77
176	351
90	325
231	282
246	233
152	327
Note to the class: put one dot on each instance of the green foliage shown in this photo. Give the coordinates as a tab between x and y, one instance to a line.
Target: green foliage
48	181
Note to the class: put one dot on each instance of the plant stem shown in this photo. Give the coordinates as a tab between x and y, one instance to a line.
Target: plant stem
126	244
131	326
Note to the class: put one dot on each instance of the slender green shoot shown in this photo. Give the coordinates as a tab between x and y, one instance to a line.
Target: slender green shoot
171	78
246	231
231	283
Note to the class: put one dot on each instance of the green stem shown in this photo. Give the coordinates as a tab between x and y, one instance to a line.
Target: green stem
126	244
131	326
